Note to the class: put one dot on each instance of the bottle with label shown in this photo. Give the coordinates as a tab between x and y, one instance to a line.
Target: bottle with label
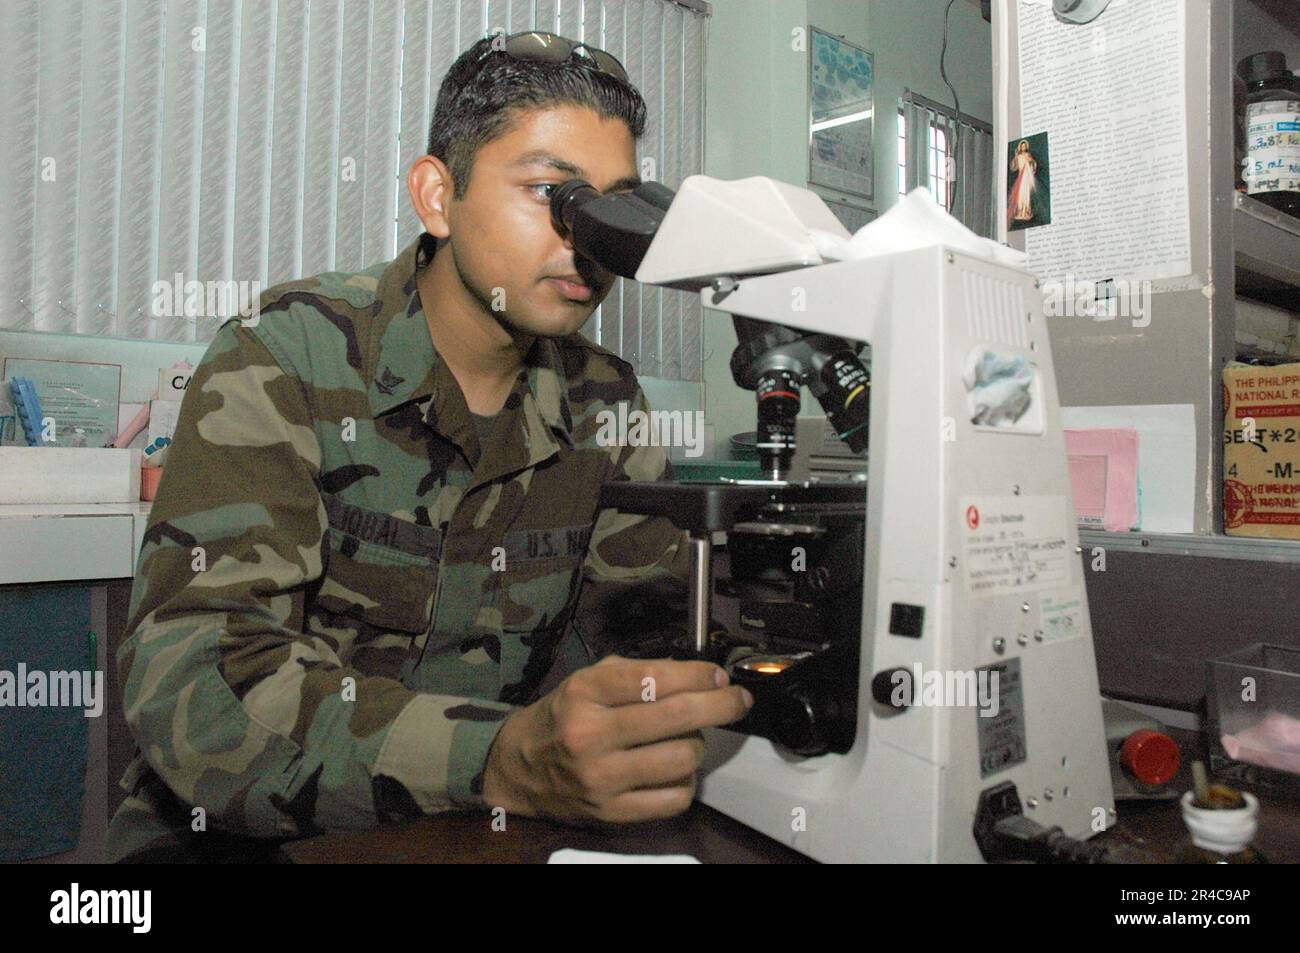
1221	821
1272	121
1239	131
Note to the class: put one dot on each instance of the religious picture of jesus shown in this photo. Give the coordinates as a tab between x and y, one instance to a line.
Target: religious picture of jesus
1028	201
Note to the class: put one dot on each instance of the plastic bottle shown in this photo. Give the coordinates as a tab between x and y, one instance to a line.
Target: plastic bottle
1272	131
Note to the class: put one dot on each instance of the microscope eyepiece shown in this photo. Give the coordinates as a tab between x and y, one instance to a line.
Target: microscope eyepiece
567	199
614	230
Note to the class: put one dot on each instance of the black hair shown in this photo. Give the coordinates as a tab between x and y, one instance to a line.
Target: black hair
478	100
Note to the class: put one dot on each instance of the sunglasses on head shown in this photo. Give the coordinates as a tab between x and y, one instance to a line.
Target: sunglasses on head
539	47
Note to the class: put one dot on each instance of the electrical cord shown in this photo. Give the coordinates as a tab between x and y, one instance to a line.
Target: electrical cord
1022	839
953	146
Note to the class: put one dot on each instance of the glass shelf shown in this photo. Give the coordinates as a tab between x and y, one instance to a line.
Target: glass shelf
1266	248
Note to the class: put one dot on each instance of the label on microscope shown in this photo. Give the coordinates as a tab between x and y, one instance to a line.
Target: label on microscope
1016	544
1062	614
1002	730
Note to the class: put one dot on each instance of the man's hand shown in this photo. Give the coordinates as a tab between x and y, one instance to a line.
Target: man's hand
595	749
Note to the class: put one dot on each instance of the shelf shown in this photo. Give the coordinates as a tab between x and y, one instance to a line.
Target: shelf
1267	253
1188	544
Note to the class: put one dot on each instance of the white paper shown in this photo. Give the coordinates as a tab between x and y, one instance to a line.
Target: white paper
1166	458
1110	96
568	855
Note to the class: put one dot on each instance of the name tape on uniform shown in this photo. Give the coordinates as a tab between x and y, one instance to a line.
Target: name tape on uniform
383	529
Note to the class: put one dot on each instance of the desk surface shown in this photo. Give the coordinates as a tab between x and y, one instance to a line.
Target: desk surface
1155	833
1146	831
468	838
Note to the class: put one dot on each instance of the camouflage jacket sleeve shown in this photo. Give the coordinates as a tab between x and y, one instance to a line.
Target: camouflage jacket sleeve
635	576
233	706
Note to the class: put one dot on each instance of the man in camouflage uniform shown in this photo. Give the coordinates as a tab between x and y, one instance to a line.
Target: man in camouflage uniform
358	599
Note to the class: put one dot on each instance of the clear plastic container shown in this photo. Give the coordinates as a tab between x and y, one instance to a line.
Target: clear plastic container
1253	701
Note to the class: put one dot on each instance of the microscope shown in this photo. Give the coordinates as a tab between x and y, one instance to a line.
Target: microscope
916	637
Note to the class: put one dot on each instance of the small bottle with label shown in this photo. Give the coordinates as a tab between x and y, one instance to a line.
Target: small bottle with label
1222	822
1272	130
1239	131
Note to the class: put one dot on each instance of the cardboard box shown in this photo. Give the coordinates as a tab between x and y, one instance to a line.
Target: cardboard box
1261	455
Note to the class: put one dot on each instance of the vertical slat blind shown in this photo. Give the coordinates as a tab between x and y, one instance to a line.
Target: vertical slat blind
267	140
972	140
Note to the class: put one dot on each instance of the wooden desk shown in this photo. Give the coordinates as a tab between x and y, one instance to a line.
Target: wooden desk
1146	832
468	838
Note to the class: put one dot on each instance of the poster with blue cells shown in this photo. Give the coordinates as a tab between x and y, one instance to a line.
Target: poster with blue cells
840	80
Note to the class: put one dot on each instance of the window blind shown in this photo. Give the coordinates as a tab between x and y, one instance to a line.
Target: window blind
228	141
970	149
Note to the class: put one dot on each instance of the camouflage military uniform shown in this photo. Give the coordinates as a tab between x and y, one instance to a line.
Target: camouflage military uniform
341	595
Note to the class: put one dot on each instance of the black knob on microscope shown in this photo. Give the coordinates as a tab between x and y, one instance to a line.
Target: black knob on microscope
893	688
802	718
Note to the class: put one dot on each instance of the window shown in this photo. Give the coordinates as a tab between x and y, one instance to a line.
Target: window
954	160
942	174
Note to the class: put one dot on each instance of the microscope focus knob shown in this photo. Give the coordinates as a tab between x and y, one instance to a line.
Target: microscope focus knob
803	718
893	688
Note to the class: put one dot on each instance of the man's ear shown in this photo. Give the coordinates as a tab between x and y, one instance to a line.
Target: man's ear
430	184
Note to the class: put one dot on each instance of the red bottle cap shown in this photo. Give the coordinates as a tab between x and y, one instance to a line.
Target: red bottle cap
1152	757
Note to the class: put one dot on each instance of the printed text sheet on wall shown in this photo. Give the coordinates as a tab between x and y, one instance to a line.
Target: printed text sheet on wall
1110	96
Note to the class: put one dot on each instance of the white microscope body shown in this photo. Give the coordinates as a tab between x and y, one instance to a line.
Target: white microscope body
971	524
